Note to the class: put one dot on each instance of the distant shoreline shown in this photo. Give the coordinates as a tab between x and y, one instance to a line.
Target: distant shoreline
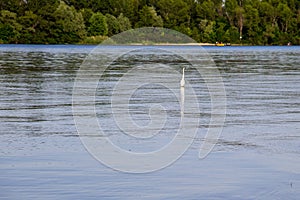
155	44
133	44
174	44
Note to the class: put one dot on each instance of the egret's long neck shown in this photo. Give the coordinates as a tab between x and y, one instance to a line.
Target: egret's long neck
183	73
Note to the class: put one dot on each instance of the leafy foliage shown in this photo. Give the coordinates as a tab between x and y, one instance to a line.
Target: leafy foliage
124	23
149	17
98	25
113	25
69	24
257	22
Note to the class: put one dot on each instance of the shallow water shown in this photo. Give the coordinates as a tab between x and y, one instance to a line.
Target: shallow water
256	157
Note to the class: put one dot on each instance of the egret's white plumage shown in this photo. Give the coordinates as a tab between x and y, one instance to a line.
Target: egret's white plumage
182	82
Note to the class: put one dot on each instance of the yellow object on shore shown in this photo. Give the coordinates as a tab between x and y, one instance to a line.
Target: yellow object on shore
220	44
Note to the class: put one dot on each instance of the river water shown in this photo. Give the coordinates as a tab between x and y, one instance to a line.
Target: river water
256	156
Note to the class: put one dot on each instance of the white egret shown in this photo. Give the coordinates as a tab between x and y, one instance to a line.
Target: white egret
182	82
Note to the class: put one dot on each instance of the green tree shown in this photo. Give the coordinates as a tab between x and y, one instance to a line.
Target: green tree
270	34
86	13
42	6
78	4
174	13
29	24
207	31
6	33
128	8
98	25
269	13
112	25
220	31
149	17
232	35
9	27
230	10
69	23
16	6
60	21
124	23
252	21
46	29
285	16
206	10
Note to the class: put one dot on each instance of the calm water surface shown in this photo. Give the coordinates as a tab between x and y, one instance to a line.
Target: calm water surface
257	156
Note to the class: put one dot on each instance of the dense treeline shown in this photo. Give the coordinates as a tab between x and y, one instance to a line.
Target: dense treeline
257	22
